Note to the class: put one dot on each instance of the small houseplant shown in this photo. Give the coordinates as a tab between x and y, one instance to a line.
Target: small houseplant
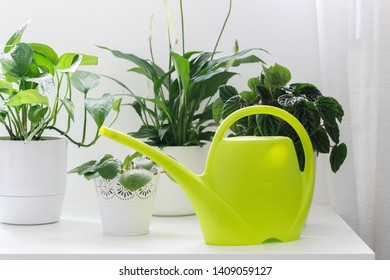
125	190
36	92
319	114
177	115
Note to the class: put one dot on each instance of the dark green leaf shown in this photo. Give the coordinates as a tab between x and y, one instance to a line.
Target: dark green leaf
135	179
151	72
17	62
308	115
84	81
99	108
110	168
310	91
328	109
147	132
300	154
334	132
338	156
30	96
3	113
217	110
265	94
226	92
36	113
268	125
320	141
90	166
231	105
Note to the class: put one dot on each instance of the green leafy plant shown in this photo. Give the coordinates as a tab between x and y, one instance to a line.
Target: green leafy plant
319	114
134	172
178	112
30	74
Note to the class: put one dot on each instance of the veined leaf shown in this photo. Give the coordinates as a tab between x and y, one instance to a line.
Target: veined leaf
36	113
253	83
84	81
310	91
217	110
17	62
277	75
30	96
290	100
45	51
99	108
268	125
320	141
226	92
338	156
135	179
231	105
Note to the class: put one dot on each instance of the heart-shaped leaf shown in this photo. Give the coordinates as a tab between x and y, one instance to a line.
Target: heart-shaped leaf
17	62
338	156
110	168
99	108
15	38
268	125
68	62
85	81
226	92
30	96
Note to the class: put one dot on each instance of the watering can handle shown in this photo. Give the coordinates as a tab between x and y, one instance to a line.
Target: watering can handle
277	112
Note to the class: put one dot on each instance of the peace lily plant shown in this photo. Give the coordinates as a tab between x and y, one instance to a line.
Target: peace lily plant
178	111
30	74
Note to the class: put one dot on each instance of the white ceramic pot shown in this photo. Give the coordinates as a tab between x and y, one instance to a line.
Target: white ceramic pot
32	181
171	199
125	212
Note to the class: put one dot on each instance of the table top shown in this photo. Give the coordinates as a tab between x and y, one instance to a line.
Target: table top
79	236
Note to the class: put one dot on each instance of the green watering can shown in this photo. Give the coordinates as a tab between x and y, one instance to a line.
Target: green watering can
252	189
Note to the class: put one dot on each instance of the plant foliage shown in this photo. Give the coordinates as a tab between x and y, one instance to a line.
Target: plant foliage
30	74
178	111
319	114
134	172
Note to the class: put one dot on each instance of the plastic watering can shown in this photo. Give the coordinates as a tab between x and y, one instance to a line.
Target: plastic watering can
252	189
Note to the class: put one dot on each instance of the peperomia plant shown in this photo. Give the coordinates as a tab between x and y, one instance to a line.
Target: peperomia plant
134	172
30	73
319	114
178	110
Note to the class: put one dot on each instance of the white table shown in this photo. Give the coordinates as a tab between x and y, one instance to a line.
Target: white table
79	236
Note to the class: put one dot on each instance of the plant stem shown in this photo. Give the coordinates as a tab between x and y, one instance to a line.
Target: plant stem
74	141
223	28
182	25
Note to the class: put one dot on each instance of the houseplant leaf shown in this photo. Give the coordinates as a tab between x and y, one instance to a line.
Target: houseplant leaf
15	38
135	179
99	108
36	113
231	105
337	156
17	62
110	168
69	107
268	125
217	110
45	83
5	87
45	51
30	96
320	141
277	75
68	62
182	67
84	81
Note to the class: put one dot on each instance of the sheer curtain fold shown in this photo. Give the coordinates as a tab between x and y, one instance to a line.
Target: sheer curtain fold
354	40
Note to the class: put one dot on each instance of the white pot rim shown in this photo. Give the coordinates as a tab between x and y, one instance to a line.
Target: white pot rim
42	140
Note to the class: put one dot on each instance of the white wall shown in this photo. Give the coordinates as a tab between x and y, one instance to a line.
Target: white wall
287	29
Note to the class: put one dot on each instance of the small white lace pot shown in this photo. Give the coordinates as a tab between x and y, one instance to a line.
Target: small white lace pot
125	212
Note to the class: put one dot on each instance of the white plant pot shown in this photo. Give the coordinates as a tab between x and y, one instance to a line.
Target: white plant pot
32	181
125	212
171	199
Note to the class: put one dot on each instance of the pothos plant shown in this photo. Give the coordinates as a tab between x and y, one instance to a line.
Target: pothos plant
319	114
178	110
133	173
30	74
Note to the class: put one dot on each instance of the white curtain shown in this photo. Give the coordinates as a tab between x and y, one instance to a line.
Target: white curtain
354	40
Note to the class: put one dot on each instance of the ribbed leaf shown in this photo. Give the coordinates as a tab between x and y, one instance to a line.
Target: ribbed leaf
320	141
334	132
217	110
290	100
226	92
338	156
268	125
231	105
308	115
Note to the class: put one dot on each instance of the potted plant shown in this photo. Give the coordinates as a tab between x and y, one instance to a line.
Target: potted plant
125	190
36	92
177	115
319	114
